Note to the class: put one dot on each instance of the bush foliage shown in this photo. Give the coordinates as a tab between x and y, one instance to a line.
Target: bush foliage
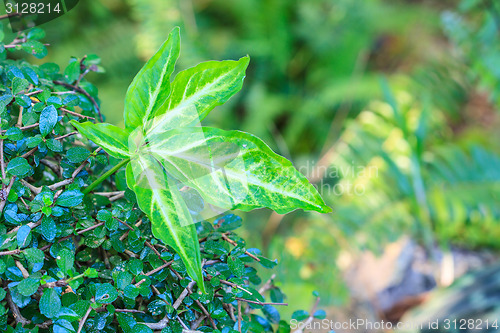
72	260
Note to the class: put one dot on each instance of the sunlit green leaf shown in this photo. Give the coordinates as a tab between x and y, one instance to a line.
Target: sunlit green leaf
171	222
151	86
233	169
113	139
196	91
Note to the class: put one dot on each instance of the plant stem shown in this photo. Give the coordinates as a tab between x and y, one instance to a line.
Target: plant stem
105	176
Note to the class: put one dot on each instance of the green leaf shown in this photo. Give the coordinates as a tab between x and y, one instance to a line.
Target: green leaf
19	85
161	200
48	228
151	86
196	91
19	167
23	234
140	328
113	139
70	198
34	255
48	119
104	215
105	294
236	266
50	303
77	154
54	145
234	170
72	71
131	291
14	133
300	315
320	314
65	260
28	286
36	48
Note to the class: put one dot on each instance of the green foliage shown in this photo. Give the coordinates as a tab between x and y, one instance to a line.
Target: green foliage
167	150
473	28
73	260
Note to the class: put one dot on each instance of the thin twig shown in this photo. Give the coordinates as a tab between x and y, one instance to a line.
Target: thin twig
164	322
9	253
86	94
3	17
27	127
2	162
267	285
33	92
233	243
239	316
90	228
109	194
76	114
7	192
197	322
82	322
116	197
255	302
20	117
15	310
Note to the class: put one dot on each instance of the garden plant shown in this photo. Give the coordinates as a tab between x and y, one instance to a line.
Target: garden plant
126	229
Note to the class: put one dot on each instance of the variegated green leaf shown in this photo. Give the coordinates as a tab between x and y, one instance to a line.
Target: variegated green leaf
196	91
161	200
151	86
113	139
234	169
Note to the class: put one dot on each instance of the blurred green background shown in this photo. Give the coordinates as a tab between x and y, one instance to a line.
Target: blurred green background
389	107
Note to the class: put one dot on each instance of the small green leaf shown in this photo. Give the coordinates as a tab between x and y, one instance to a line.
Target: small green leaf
48	228
271	313
50	303
28	286
91	273
48	119
104	215
14	134
140	328
105	294
320	314
77	154
36	33
70	198
65	260
35	48
34	255
236	266
300	315
72	71
123	280
19	167
19	85
135	266
113	139
131	291
23	236
54	145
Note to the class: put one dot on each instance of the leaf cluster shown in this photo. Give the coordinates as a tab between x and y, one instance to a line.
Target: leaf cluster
73	260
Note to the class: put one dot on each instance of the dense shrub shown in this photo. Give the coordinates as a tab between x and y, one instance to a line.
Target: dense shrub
77	260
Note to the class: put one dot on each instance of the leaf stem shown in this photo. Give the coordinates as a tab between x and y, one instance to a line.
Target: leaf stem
105	176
